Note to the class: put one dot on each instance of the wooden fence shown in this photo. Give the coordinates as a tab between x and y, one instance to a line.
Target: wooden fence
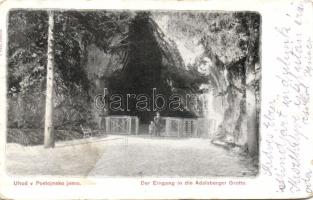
170	126
125	125
179	127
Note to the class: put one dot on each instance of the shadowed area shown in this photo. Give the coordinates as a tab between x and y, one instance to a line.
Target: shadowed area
151	62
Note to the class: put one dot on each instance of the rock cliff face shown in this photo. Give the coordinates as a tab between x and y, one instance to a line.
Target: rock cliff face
212	56
230	97
184	53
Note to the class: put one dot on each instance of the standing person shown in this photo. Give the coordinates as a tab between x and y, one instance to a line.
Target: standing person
151	128
157	124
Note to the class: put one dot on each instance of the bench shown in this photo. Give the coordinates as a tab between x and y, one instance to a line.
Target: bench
87	131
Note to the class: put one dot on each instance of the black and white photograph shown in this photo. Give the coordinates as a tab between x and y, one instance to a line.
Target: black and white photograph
133	93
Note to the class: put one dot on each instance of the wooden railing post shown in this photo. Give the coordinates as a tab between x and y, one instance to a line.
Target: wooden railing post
136	125
195	125
167	126
107	125
180	125
129	121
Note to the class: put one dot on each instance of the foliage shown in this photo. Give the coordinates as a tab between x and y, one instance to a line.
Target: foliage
74	31
27	51
228	36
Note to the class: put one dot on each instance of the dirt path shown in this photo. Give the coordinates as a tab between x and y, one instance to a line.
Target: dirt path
128	156
170	157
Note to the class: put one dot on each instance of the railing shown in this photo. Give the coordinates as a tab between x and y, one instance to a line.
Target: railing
179	127
207	127
126	125
170	126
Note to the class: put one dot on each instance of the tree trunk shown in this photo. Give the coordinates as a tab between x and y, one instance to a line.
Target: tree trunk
49	128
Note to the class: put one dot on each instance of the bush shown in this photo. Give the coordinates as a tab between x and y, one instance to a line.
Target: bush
29	137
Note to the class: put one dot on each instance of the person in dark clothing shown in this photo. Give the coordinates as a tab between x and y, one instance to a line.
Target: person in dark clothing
151	128
157	124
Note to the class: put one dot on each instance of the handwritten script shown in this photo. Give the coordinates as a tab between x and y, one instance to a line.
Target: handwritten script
287	114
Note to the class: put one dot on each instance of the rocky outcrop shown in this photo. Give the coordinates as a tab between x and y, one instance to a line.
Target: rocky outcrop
230	96
224	80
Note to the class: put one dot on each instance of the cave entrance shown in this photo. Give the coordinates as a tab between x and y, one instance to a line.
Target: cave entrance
143	85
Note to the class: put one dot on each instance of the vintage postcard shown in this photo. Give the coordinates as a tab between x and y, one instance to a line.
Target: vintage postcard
198	99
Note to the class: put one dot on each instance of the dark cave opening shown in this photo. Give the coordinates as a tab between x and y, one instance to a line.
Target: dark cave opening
144	77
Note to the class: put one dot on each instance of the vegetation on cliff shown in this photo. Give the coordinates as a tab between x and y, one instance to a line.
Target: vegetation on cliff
215	55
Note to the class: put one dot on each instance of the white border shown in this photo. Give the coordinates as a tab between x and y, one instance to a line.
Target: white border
273	14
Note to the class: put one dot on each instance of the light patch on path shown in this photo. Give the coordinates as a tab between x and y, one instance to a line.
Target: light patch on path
170	157
128	156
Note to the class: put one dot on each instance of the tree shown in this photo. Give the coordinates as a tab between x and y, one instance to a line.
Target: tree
49	128
27	60
73	32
